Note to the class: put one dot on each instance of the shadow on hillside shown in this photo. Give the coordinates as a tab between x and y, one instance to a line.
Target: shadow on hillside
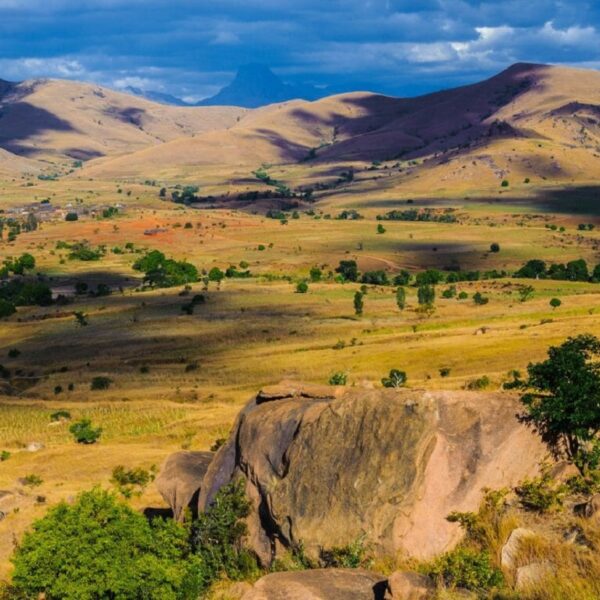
411	128
21	121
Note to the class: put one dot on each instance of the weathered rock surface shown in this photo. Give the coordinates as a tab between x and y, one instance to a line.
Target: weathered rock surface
326	465
531	575
405	585
180	478
319	584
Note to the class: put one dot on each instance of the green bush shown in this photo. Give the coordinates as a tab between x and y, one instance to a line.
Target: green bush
480	299
302	287
395	379
478	384
84	432
219	533
132	482
541	494
100	383
32	480
4	455
338	378
60	415
466	568
98	548
7	308
352	556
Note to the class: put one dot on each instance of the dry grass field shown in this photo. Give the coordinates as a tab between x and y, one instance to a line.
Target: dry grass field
179	380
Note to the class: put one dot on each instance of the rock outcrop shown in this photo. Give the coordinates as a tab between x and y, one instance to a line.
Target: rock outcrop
325	466
180	478
319	584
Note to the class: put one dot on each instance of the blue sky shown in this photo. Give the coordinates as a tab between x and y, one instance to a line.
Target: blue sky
192	48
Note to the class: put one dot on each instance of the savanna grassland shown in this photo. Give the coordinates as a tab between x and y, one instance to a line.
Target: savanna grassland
178	380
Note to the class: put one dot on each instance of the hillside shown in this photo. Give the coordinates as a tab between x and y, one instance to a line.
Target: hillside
55	119
528	121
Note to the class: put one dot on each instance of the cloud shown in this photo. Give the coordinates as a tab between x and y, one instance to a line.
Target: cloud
191	48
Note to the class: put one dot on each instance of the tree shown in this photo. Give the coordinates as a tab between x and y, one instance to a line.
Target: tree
302	287
315	274
98	547
426	295
358	303
71	216
84	432
525	293
401	298
395	379
495	247
215	274
555	302
430	277
380	228
532	269
7	308
480	299
348	269
563	400
403	278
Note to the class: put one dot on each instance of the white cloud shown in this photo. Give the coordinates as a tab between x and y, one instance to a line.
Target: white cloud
29	68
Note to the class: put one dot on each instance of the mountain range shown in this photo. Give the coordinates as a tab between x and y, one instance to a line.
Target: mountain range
529	121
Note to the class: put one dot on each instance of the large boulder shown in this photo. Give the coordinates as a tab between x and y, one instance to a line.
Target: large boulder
180	478
319	584
326	466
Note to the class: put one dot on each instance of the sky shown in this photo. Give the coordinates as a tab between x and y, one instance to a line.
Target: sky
192	48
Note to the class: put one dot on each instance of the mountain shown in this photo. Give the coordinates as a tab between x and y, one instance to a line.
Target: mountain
256	85
59	119
159	97
530	121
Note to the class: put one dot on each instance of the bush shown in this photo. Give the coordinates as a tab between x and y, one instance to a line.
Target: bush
7	308
100	383
495	247
402	278
132	482
302	287
218	535
375	278
380	228
84	433
315	274
466	568
463	296
505	183
100	548
351	556
541	494
348	269
478	384
60	415
32	480
395	379
338	378
71	216
4	455
426	295
555	302
480	299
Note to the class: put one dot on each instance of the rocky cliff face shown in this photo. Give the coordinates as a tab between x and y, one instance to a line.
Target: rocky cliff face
325	466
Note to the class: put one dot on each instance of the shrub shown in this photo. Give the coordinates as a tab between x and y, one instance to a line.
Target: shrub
495	247
60	415
84	432
445	371
218	535
395	379
478	384
463	296
4	455
525	293
315	274
402	278
302	287
7	308
100	383
338	378
505	183
429	277
480	299
380	228
100	548
541	494
375	278
32	480
351	556
215	274
466	568
348	269
71	216
449	292
132	482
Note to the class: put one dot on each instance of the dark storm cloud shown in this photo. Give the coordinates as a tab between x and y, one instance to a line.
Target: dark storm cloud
191	48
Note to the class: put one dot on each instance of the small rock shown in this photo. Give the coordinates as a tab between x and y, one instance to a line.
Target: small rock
34	447
531	575
405	585
512	548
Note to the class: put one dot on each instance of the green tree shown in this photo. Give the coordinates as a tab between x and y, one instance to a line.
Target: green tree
316	274
395	379
495	247
562	401
380	228
555	302
358	303
348	269
401	298
215	274
426	295
302	287
525	293
98	547
84	432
